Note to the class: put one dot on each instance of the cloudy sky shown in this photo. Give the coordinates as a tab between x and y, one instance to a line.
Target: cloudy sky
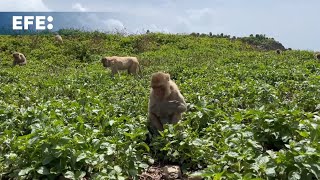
294	23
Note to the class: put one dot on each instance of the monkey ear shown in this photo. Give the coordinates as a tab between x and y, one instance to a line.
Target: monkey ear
168	77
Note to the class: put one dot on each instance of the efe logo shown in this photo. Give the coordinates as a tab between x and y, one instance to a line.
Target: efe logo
23	22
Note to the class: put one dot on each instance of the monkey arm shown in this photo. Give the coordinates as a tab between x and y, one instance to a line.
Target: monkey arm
181	108
155	109
163	108
168	108
173	106
178	105
155	122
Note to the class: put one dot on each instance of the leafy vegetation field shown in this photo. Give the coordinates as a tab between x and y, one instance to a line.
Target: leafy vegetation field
251	114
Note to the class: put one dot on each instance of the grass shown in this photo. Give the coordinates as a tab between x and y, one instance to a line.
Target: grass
251	114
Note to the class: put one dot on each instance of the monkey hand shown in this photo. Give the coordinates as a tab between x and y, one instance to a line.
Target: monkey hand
169	107
179	106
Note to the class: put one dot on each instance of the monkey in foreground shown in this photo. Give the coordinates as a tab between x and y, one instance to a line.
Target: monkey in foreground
278	51
58	38
19	59
166	103
116	63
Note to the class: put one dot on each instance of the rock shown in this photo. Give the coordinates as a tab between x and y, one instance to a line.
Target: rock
153	173
152	170
171	172
195	178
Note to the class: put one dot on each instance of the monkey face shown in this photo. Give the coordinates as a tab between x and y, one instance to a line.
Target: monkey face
15	55
159	90
108	62
105	62
160	84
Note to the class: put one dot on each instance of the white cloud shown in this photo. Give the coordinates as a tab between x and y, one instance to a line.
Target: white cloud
113	24
152	28
202	20
96	22
198	14
183	24
25	5
79	7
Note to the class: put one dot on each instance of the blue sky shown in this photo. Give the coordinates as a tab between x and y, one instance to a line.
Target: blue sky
294	23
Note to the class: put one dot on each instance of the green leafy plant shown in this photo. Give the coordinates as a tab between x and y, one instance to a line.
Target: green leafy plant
251	114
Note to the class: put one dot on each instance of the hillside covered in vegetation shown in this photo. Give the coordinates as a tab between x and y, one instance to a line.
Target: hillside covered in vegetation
251	114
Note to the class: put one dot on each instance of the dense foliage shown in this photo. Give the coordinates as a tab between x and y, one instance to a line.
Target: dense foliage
250	114
262	42
259	41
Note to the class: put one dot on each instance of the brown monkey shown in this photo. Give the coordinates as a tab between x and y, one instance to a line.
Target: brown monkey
317	55
117	63
19	58
278	51
166	103
58	38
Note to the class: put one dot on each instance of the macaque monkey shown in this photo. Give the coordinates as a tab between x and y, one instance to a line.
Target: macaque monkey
58	38
131	64
166	103
317	55
19	59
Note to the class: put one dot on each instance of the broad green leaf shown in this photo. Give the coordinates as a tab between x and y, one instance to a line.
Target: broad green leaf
118	169
271	172
81	156
111	122
47	160
25	171
303	133
121	178
69	174
233	154
110	151
79	174
197	142
143	165
145	146
43	170
262	160
294	176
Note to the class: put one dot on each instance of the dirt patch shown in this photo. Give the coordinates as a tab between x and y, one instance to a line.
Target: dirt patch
167	172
